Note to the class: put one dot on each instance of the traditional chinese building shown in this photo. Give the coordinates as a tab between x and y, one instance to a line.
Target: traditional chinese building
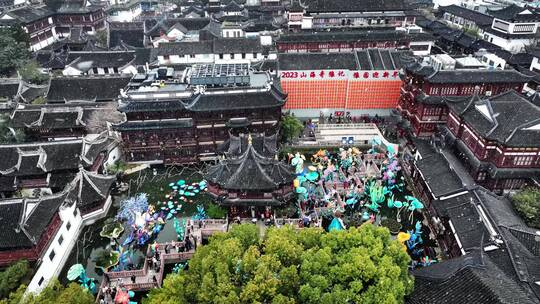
250	181
44	228
182	117
426	85
321	14
361	82
38	22
498	139
51	121
76	13
482	239
352	40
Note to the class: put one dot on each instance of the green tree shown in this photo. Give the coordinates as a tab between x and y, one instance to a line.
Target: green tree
527	204
359	265
216	212
13	277
101	38
31	72
291	127
13	49
52	294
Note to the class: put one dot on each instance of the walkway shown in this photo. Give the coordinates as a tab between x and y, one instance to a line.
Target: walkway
151	277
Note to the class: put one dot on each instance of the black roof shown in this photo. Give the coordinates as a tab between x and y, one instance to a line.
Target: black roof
39	158
515	13
24	220
236	145
184	48
86	88
237	45
50	117
28	14
477	17
8	88
468	75
467	279
321	6
508	118
85	61
151	106
250	171
153	27
126	35
215	46
368	59
153	125
440	179
352	36
317	61
253	100
89	187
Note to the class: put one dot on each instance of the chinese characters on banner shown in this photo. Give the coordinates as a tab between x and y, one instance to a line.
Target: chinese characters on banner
340	74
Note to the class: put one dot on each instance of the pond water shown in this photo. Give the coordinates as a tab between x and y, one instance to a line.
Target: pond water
155	184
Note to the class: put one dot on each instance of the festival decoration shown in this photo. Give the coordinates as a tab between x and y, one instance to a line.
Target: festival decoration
77	271
112	230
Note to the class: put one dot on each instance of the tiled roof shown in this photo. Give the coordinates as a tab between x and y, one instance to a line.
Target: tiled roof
250	171
368	59
220	102
353	36
39	158
515	13
321	6
476	17
508	118
105	88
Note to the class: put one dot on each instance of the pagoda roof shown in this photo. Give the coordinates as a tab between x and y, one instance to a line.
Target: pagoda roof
236	145
508	118
89	187
250	171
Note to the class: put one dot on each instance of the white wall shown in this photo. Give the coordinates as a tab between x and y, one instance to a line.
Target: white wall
511	45
49	269
43	44
422	53
214	58
71	71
